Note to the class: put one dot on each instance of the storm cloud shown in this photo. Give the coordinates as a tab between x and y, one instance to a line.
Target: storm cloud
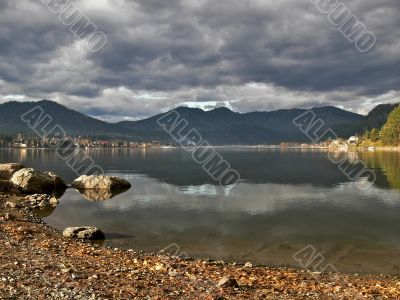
244	54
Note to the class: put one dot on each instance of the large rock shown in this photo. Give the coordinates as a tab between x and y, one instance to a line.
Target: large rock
84	233
58	182
7	170
34	182
100	182
7	187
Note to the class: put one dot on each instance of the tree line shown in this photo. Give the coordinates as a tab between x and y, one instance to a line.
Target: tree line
389	134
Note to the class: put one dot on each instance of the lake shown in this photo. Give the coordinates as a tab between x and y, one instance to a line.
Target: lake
285	201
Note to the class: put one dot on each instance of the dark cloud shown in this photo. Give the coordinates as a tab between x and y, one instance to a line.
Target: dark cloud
164	53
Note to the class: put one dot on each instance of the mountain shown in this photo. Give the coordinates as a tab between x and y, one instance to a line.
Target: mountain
73	122
220	126
223	126
377	117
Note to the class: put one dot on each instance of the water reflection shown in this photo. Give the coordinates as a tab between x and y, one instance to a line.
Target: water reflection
286	201
389	163
45	211
59	192
264	223
101	195
176	166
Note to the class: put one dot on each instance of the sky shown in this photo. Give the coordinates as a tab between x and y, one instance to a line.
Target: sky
247	55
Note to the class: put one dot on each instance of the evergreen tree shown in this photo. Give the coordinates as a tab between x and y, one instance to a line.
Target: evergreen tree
367	135
374	135
391	130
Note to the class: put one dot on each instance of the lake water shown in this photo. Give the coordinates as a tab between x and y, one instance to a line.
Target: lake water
285	201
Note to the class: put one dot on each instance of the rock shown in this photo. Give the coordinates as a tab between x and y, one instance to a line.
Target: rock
84	233
41	201
12	204
54	201
7	170
227	282
34	182
100	182
7	187
7	217
248	265
66	270
316	273
58	182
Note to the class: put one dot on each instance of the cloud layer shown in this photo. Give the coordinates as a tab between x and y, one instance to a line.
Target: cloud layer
244	54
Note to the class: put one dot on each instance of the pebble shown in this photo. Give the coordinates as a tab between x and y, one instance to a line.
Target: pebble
227	281
66	270
7	217
11	204
41	201
316	273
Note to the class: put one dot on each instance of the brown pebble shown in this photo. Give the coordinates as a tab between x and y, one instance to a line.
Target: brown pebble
227	282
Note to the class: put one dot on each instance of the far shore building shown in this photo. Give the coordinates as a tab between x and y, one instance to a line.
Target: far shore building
353	140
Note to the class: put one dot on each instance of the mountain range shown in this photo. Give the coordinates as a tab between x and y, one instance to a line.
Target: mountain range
220	126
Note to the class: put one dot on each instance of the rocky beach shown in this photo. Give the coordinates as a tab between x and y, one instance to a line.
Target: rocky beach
38	262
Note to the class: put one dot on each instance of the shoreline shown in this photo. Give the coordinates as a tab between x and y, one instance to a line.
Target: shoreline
39	263
230	147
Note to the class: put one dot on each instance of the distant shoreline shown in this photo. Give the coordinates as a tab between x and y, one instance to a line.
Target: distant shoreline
272	147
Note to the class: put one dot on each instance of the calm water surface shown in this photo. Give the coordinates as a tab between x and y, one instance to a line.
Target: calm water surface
285	201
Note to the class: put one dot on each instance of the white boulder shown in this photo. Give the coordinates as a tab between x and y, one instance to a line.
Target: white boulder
84	233
34	182
100	182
